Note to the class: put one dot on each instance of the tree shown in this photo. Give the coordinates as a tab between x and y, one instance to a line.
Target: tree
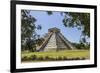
81	46
79	20
28	33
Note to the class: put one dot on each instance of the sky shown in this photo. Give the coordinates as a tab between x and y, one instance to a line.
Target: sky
55	20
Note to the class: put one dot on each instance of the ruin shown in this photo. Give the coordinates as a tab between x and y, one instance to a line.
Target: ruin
55	41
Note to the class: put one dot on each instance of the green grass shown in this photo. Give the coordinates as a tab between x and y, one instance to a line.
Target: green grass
55	54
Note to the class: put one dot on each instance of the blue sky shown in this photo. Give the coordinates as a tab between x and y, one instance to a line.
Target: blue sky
55	20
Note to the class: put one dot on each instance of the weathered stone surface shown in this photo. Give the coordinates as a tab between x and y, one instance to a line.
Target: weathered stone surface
56	41
51	43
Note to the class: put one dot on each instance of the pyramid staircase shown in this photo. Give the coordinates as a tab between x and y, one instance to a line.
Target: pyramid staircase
55	41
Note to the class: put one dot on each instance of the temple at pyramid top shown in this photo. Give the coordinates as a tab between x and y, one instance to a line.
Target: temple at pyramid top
55	30
55	41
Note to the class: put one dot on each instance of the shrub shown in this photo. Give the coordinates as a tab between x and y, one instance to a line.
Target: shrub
47	58
33	57
65	58
77	58
59	58
83	58
25	58
40	58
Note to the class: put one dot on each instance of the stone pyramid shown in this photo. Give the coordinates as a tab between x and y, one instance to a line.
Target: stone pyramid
55	41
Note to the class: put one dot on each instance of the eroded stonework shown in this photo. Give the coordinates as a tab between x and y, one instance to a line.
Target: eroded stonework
55	41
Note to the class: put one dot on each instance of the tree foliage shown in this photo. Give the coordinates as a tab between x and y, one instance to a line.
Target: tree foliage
81	21
82	46
28	33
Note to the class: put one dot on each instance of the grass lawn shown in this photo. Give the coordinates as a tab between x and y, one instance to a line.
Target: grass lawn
62	54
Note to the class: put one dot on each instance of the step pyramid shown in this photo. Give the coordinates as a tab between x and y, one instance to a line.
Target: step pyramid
55	41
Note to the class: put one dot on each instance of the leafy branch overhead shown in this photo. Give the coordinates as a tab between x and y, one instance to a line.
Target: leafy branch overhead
28	30
79	20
